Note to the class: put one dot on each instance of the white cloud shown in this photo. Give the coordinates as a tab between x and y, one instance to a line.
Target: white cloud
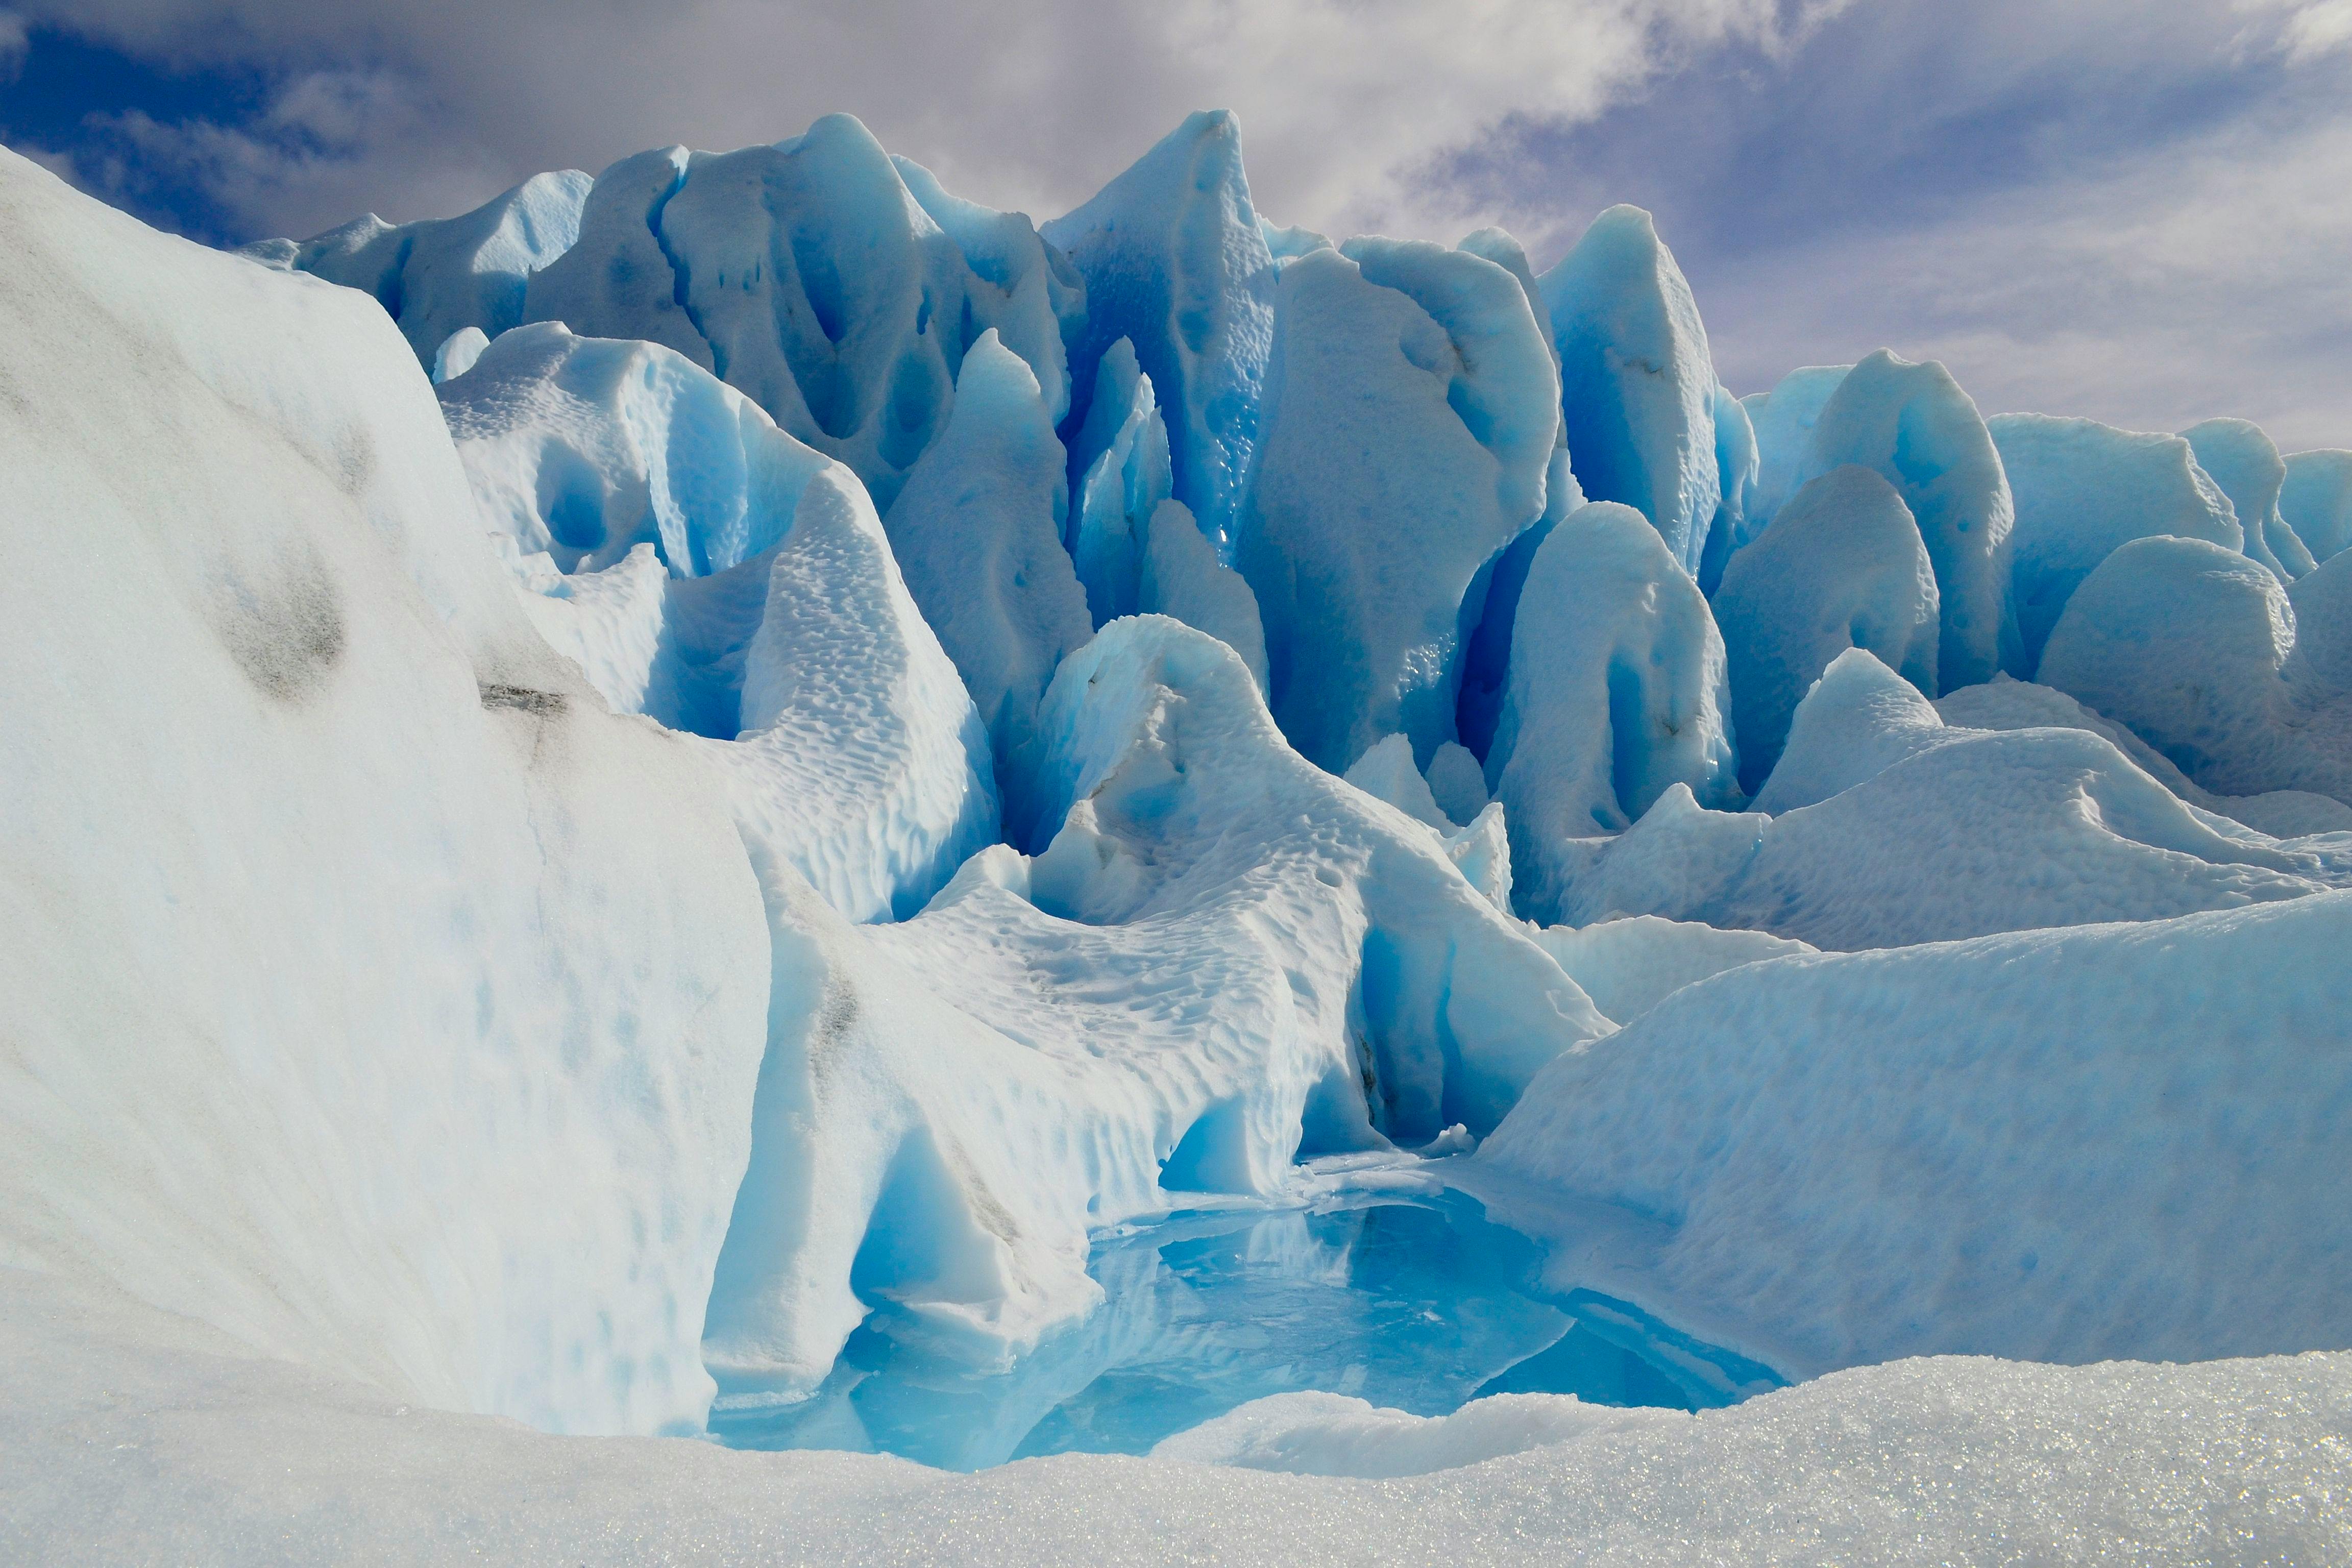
1031	105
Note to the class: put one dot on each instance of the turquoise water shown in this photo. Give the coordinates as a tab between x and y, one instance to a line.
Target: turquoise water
1417	1303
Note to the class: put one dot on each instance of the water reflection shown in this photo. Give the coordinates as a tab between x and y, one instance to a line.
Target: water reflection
1417	1303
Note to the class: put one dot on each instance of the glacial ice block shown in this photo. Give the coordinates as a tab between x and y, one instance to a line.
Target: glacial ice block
1175	262
1225	958
2247	468
2081	489
1183	579
1736	465
1783	421
2190	644
1843	566
1629	966
755	602
1637	387
2078	1145
836	287
1617	690
1119	474
441	276
1914	425
2315	498
978	532
1406	431
374	996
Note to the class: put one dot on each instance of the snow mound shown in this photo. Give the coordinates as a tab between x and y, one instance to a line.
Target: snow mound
1175	262
1617	691
2082	488
1408	421
1921	1462
1843	567
375	997
1629	966
1332	1435
1637	385
1922	433
2247	468
2315	498
2192	645
2079	1144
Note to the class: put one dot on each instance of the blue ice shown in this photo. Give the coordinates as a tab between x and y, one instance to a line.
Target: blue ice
1418	1304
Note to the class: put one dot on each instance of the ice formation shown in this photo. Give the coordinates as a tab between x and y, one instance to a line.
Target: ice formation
1616	692
2194	648
737	766
1175	262
2316	499
1843	566
2250	472
2035	1195
1637	387
1914	425
2082	489
1407	425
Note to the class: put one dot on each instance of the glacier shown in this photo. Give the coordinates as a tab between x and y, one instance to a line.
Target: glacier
1318	891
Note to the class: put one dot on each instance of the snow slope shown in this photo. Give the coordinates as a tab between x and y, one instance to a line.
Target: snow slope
358	1003
133	1438
2115	1157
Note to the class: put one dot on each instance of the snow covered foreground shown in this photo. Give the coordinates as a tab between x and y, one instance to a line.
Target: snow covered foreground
771	795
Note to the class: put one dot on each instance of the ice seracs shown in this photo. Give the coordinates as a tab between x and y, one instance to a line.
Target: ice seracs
1914	425
1407	426
978	531
2316	499
1843	566
2082	490
1175	262
1617	691
2250	472
1637	385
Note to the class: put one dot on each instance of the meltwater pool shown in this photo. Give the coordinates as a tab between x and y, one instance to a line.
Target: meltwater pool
1416	1302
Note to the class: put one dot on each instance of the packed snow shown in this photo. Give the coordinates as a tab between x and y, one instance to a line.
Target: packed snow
746	797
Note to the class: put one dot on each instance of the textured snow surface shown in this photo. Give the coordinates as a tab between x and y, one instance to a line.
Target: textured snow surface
130	1437
2073	1175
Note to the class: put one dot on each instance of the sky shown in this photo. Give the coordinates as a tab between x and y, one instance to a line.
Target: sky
2133	210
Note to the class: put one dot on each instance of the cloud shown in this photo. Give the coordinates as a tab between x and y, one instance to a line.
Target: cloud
1031	106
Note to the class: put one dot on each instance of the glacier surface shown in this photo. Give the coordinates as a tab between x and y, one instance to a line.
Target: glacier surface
745	795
